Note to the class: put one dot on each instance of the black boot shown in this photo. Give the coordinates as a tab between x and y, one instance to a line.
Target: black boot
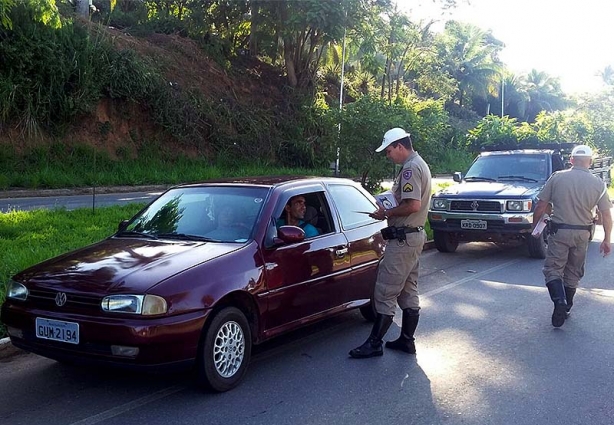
373	346
557	295
405	342
569	293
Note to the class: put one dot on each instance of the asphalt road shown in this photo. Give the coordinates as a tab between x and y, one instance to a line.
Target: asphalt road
70	200
487	354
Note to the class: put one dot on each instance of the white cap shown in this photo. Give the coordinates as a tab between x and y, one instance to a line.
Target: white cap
392	136
582	151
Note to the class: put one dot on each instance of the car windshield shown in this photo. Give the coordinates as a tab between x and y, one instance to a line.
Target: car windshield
526	167
207	213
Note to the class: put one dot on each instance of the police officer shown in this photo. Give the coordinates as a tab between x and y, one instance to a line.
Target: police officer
397	279
573	195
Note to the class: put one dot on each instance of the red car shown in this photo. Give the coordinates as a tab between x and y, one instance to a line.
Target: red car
199	276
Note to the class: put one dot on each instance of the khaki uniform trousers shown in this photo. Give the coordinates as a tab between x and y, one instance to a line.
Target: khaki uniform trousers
566	256
397	277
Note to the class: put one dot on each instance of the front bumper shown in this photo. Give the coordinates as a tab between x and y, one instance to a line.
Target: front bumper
512	223
162	342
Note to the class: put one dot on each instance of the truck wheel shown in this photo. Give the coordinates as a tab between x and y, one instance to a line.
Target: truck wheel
537	246
225	350
444	241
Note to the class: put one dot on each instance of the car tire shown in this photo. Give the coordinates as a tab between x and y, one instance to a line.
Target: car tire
537	246
225	350
444	241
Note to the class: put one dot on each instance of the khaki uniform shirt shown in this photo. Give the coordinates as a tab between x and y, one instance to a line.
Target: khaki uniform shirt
413	182
574	194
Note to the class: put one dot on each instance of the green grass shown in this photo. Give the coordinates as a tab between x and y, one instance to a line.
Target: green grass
29	237
59	166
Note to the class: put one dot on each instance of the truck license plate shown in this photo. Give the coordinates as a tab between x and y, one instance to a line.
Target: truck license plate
57	330
474	224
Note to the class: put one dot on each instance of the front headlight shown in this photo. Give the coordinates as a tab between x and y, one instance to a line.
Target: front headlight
146	305
16	291
440	204
519	205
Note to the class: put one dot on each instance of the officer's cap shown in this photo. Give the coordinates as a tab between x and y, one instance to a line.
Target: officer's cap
582	151
392	136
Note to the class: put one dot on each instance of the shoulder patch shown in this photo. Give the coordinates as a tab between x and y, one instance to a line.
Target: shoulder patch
407	187
407	174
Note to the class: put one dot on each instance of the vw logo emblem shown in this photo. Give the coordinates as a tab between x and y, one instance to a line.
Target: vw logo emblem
60	299
475	205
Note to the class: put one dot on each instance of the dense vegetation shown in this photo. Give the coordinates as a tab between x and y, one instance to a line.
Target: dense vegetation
443	87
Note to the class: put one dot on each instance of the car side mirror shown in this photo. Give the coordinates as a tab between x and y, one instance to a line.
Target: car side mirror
122	225
289	234
457	176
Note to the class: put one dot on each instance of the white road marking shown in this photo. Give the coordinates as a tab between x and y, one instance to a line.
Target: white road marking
468	278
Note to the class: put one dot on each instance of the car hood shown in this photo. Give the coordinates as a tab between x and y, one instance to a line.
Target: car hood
491	190
121	265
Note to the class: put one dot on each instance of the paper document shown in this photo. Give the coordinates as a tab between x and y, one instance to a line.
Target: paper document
540	226
386	200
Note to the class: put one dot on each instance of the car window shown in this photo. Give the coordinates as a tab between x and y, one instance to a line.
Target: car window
220	213
317	213
353	206
531	166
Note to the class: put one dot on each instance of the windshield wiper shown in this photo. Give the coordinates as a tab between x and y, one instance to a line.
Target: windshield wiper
480	179
186	237
526	179
137	234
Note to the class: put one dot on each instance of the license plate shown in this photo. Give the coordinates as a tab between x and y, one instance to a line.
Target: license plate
57	330
474	224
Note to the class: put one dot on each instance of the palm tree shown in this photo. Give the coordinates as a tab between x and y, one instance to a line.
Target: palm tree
607	75
544	94
515	96
471	58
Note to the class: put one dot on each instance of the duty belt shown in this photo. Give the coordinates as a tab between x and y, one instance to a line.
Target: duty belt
413	229
555	226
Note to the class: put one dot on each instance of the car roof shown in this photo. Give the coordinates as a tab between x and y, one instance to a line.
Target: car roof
517	152
267	181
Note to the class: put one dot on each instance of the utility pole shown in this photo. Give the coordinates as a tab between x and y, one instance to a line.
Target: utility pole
341	95
502	94
83	8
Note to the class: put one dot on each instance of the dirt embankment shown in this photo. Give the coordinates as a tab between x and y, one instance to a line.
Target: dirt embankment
186	67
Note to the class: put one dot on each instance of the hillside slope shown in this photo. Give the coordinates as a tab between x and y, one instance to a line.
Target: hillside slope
119	125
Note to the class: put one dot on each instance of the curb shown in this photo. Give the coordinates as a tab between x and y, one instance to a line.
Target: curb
8	350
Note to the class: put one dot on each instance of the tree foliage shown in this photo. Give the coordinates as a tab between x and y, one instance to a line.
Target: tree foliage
442	87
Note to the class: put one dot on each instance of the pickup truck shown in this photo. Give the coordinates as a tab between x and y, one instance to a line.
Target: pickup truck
494	201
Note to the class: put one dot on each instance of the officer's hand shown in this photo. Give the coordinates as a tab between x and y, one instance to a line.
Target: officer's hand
380	214
605	248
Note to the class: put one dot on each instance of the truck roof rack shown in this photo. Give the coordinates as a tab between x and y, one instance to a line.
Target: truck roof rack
561	147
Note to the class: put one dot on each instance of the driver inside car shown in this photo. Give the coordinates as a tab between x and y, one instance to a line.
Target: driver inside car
294	215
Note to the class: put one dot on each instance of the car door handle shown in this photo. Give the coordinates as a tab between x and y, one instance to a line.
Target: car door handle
340	253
